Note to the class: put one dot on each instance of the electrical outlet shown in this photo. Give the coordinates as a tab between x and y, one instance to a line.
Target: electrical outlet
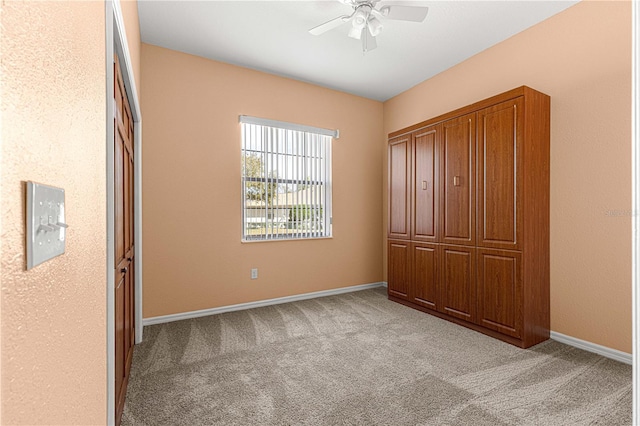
254	273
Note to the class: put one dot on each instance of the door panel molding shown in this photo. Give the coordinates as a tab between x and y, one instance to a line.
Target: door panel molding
500	175
425	285
399	174
458	281
425	184
399	274
499	291
458	197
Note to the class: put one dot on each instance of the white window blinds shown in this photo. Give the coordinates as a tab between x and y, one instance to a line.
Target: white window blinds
286	180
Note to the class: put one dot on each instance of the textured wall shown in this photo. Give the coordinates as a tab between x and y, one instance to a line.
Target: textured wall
582	59
53	132
192	195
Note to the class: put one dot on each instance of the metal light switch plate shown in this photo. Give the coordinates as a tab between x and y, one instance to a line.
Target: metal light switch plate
45	223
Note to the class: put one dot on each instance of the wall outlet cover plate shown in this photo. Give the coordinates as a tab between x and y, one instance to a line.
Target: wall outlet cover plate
46	225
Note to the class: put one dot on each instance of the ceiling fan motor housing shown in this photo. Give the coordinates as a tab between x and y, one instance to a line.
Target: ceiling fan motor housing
362	14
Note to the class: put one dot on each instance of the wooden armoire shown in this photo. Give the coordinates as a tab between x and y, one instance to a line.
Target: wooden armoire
468	219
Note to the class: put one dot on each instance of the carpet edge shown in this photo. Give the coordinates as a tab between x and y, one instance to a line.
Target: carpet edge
257	304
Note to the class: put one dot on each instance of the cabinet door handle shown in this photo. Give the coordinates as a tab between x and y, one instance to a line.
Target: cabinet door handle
456	181
124	270
425	185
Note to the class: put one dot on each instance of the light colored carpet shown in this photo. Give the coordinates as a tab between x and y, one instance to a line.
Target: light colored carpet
360	359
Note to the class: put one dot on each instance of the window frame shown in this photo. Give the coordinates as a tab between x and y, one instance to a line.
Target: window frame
283	132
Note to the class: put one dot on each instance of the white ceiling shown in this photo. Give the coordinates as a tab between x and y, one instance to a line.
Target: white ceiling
272	36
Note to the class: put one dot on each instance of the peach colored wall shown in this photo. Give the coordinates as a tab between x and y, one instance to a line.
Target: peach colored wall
582	59
132	28
192	196
53	131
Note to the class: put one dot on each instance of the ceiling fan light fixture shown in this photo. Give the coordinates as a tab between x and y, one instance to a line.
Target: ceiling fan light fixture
358	23
355	32
374	25
361	16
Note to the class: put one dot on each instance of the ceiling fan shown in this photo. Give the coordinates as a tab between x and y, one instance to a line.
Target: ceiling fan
365	20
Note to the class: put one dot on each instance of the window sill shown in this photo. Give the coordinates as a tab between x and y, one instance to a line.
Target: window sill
282	240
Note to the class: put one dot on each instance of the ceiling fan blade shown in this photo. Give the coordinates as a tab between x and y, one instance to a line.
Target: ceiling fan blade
329	25
368	41
405	13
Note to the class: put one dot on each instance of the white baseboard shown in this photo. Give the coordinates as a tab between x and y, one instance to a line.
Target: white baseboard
593	347
242	306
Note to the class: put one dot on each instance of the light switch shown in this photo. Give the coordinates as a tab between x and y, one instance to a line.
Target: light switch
46	223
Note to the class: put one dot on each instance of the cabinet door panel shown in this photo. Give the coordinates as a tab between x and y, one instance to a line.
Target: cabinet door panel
119	197
399	270
500	291
425	185
458	292
425	275
500	175
121	345
458	174
399	187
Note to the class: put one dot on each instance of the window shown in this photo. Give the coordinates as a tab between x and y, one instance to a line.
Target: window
286	180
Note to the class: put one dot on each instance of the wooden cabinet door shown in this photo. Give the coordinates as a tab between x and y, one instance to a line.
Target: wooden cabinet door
399	187
458	175
500	291
399	271
500	164
458	286
424	193
425	280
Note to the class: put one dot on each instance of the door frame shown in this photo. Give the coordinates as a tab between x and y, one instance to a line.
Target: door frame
635	211
116	42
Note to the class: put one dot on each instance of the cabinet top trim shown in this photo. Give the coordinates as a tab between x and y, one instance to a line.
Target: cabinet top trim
511	94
